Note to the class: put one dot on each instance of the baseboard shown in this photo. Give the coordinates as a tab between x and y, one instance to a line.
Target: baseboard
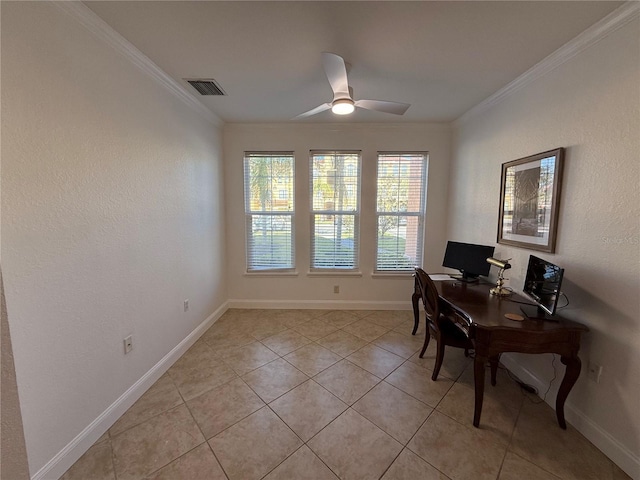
66	457
607	444
618	453
320	304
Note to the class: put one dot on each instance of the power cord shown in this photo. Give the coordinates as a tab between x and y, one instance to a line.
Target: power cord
534	305
523	303
555	375
566	304
523	386
530	388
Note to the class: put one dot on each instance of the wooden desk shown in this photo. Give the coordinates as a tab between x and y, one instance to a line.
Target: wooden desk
481	315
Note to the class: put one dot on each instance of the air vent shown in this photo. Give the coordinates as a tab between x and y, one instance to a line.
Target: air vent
206	86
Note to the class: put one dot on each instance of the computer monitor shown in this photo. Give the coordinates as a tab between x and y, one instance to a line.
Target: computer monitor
542	284
469	259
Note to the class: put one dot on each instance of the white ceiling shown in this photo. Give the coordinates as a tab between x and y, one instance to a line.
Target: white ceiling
442	57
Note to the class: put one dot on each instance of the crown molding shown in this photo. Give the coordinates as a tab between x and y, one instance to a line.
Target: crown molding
100	29
618	18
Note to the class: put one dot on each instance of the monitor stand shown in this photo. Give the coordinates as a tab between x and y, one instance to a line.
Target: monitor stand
462	277
533	312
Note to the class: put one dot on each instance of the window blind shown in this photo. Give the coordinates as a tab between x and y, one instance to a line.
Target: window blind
335	209
269	210
401	202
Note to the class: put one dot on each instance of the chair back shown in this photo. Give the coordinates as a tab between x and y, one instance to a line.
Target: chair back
439	322
430	297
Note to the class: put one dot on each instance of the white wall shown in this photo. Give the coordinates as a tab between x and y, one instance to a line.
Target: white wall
111	217
302	290
13	452
591	106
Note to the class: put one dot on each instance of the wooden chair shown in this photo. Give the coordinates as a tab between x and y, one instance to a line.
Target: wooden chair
439	325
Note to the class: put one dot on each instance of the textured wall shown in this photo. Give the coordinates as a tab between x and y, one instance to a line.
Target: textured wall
591	106
111	217
13	453
364	290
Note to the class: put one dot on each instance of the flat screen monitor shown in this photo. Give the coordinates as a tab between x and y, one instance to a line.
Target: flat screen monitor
542	284
468	258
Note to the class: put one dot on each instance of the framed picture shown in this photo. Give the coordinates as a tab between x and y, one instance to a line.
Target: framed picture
529	201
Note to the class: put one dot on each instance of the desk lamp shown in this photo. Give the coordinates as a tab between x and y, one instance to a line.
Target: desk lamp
503	265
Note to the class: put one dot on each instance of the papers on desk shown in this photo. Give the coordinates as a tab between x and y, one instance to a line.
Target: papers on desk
440	277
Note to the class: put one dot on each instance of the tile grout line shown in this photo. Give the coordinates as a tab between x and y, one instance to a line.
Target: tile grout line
331	393
406	361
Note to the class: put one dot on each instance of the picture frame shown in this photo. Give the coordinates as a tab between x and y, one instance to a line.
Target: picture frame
530	201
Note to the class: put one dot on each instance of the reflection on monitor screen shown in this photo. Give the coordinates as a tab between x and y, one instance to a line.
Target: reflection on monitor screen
542	284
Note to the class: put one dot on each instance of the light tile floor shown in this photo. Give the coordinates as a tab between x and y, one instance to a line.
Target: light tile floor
310	394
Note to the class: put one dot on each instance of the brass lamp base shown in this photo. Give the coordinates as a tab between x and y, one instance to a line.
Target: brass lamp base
500	291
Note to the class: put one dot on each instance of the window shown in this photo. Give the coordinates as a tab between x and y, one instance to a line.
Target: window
335	198
401	200
269	210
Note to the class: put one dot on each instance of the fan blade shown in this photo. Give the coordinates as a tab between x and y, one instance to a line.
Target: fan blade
336	72
313	111
383	106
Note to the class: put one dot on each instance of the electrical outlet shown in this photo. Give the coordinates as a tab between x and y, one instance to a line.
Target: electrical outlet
186	305
594	372
336	289
128	344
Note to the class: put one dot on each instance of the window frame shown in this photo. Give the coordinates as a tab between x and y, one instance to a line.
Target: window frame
314	267
252	262
420	213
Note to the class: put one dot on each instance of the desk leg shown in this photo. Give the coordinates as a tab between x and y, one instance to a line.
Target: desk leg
493	361
478	375
570	377
416	313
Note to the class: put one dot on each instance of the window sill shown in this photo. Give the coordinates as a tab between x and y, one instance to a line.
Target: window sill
379	275
334	273
270	273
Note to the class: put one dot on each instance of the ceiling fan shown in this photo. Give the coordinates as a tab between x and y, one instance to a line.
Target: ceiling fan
343	102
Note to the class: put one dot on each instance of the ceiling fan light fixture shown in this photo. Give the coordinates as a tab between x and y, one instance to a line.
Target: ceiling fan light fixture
344	106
